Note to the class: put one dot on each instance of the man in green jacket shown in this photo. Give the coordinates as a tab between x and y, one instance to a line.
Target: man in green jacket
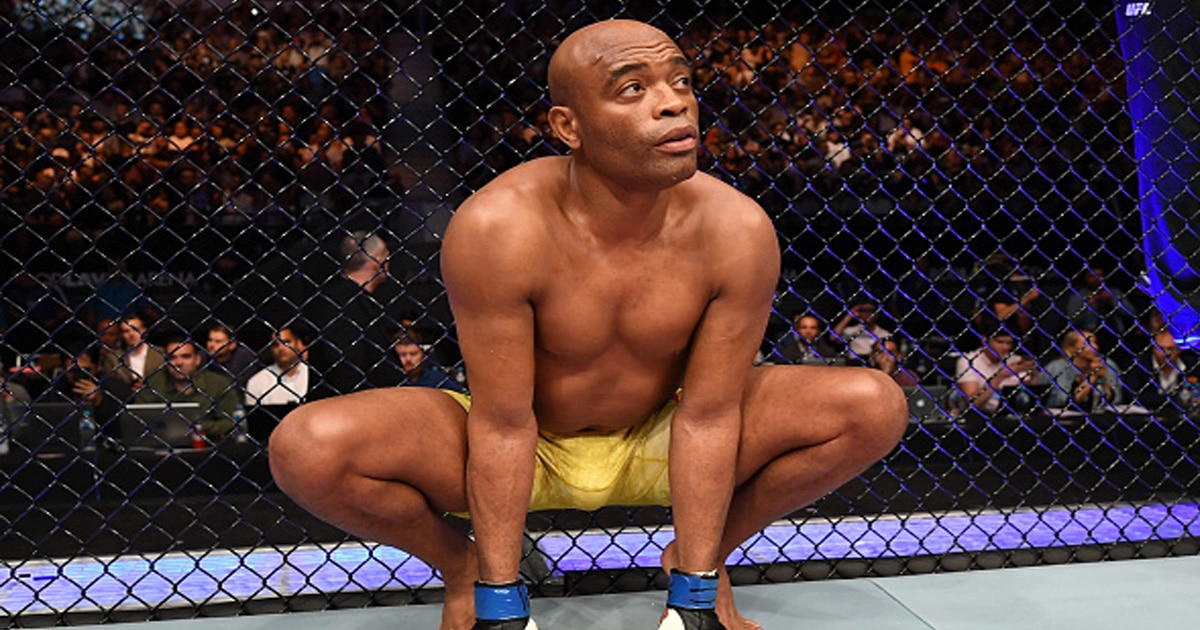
181	380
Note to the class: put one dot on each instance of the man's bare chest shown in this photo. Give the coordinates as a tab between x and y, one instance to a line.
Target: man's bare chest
649	311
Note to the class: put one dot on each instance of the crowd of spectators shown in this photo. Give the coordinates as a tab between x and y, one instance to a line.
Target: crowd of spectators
205	141
804	112
344	341
203	145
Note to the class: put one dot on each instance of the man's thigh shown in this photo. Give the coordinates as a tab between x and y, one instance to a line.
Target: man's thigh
790	407
412	435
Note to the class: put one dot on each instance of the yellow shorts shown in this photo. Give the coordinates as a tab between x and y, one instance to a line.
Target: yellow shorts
590	471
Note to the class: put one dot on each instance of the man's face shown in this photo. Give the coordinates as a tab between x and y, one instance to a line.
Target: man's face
1165	348
411	356
1000	346
808	328
219	345
184	360
109	333
1088	349
131	331
864	312
886	353
84	362
637	116
287	349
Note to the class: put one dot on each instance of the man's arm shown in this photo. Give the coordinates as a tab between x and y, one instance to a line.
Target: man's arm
488	275
976	390
707	425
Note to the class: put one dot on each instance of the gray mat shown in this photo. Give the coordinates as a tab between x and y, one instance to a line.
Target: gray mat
1125	594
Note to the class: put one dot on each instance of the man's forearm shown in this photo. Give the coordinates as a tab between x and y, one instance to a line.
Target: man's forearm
499	482
703	458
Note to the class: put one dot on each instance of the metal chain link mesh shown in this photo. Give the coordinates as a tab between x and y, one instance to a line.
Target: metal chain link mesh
954	167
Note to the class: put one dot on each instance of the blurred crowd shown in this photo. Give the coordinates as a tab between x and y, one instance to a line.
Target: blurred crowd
197	145
205	146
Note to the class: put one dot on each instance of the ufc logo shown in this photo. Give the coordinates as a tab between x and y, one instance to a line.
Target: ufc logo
1137	9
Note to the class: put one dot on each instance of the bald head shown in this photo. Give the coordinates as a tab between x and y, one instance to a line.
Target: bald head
583	52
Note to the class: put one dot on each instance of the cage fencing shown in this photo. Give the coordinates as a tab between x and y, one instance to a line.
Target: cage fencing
951	182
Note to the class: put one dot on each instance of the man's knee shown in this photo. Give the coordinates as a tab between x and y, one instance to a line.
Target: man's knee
301	447
881	411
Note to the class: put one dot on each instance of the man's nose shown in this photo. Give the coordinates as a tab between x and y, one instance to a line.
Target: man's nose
672	102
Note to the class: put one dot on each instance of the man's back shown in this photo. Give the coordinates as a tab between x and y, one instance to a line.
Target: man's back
614	318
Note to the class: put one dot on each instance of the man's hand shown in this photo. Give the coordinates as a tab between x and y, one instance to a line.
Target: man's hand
88	391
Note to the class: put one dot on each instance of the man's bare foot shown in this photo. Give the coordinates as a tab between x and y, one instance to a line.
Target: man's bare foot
458	610
726	611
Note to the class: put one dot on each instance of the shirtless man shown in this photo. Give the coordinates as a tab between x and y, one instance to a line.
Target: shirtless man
607	302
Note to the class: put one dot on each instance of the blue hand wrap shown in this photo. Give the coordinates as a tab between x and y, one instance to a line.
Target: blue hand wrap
692	591
497	602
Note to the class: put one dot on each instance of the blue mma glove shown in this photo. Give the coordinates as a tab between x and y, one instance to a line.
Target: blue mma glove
691	602
502	607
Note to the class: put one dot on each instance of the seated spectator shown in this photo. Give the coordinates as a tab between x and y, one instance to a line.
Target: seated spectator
981	373
183	381
84	383
229	358
286	380
137	358
1158	377
805	343
887	358
1013	303
419	370
1081	377
108	341
858	328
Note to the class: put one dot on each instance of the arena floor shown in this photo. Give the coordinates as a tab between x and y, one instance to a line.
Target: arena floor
1157	593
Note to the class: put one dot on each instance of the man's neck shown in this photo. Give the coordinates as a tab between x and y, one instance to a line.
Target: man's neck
1165	366
610	213
415	373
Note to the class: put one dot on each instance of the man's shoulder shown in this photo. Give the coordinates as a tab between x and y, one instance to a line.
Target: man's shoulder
1057	365
210	380
523	188
271	372
726	212
706	191
505	222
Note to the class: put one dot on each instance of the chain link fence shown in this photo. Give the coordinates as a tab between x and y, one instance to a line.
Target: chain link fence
953	183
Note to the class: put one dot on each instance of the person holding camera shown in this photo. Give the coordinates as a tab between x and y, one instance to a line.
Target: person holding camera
1082	377
859	327
84	383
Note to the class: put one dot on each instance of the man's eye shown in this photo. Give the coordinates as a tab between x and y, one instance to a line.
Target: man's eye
632	88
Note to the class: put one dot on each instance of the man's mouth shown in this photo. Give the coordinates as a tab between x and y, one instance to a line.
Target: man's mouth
678	140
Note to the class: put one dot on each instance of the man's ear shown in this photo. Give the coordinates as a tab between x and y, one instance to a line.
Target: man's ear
564	125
